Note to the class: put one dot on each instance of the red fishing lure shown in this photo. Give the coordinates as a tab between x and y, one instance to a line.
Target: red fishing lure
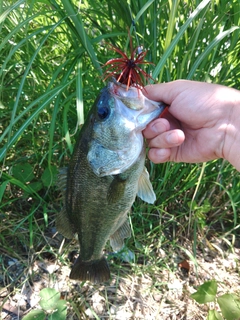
127	70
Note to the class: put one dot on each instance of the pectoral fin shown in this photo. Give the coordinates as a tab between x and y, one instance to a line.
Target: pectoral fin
145	189
117	239
116	189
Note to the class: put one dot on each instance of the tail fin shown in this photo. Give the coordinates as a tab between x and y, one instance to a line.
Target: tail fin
95	271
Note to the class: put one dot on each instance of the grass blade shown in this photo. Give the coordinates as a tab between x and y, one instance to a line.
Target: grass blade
20	131
209	48
77	20
174	42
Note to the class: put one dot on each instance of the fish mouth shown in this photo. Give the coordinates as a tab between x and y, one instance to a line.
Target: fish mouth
133	98
130	96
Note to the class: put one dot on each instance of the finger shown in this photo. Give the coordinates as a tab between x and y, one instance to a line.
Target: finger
156	127
169	139
165	92
159	155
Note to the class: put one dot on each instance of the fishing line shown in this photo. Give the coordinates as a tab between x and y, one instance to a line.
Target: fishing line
134	30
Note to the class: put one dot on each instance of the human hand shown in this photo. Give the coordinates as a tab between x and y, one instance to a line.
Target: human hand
201	124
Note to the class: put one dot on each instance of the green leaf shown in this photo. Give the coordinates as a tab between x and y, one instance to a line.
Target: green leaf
214	315
206	292
3	187
230	306
35	315
127	255
23	172
35	186
61	312
49	176
50	298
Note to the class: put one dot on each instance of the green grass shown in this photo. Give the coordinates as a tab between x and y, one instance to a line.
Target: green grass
50	73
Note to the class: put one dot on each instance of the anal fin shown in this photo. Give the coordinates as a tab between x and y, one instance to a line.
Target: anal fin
117	238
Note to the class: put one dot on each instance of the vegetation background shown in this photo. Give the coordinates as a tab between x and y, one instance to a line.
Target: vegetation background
51	56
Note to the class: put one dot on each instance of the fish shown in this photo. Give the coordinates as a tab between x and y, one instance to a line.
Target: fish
105	173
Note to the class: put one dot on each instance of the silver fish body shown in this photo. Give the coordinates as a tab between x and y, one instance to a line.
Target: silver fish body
104	176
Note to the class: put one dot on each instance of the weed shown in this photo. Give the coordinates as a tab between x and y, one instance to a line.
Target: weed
52	306
229	303
50	73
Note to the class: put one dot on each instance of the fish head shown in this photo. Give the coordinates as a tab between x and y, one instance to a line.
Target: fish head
118	119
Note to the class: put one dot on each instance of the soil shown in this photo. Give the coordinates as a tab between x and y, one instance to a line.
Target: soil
134	292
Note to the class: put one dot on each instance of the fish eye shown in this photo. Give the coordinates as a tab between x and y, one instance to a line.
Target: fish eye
103	112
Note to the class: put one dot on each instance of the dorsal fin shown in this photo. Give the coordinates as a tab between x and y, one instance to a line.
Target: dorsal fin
63	223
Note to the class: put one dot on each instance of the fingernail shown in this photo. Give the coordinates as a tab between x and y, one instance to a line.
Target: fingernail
172	138
153	127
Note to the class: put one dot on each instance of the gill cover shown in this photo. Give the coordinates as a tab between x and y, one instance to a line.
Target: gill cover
115	144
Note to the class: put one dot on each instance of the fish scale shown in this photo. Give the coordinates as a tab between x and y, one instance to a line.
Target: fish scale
104	177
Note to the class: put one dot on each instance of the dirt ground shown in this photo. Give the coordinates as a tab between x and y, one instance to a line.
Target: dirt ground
134	292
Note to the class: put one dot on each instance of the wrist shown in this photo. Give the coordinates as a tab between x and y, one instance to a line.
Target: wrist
231	146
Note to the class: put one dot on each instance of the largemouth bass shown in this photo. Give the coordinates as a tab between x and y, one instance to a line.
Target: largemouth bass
104	176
